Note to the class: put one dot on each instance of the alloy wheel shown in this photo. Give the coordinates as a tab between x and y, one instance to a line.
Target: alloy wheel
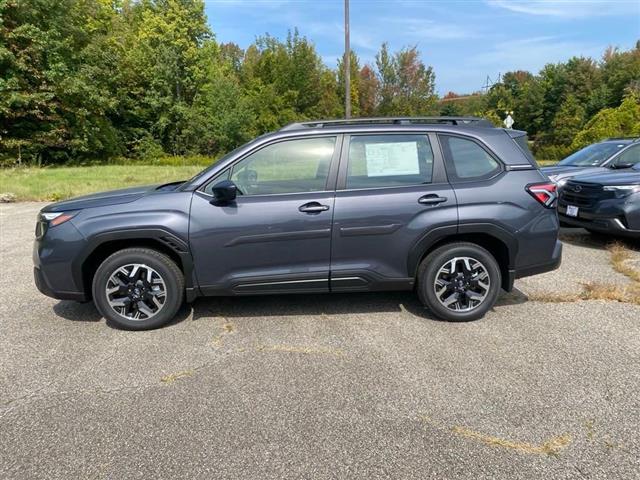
136	291
462	284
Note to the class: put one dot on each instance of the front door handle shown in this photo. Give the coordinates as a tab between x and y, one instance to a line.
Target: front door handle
313	207
431	199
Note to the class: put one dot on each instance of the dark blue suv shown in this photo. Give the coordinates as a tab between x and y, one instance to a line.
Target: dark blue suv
451	207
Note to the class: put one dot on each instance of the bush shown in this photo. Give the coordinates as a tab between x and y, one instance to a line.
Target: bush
623	121
551	152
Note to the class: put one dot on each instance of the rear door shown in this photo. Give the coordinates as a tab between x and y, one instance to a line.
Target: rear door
392	191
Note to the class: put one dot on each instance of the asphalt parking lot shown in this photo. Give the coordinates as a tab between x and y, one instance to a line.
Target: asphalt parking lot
343	386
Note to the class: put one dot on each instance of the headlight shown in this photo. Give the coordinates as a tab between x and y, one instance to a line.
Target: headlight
560	183
621	191
57	218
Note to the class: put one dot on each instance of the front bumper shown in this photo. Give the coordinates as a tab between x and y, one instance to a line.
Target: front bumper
611	225
45	288
54	255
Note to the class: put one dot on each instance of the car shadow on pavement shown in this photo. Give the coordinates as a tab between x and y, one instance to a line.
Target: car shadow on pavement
286	305
77	312
324	304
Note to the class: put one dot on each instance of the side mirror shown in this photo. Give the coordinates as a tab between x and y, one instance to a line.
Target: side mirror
224	192
619	166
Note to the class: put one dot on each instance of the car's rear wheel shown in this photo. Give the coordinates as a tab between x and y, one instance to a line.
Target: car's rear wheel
459	281
138	288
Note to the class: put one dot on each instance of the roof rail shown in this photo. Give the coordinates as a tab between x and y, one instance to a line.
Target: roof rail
635	139
476	121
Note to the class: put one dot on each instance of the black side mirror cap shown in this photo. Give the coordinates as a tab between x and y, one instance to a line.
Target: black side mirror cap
619	166
224	192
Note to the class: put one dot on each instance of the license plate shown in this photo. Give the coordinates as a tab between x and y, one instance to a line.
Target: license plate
572	211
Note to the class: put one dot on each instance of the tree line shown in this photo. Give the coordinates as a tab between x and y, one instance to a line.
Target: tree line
97	79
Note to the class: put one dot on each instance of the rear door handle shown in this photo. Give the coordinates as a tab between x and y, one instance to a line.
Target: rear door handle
313	207
431	199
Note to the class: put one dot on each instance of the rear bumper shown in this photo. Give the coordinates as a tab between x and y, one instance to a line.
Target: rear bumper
553	264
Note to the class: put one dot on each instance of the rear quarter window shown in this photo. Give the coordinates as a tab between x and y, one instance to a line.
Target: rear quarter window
523	143
466	160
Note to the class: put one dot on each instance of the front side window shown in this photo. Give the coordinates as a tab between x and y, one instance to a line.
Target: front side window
629	157
291	166
467	159
389	161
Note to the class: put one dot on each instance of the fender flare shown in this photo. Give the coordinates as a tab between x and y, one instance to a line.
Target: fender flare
160	235
433	236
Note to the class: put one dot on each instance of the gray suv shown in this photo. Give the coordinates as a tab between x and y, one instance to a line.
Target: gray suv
602	157
450	207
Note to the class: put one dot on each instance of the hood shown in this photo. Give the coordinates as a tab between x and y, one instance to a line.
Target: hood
561	172
101	199
620	177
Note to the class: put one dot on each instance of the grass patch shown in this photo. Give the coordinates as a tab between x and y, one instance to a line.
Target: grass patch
58	183
552	446
172	377
594	291
620	257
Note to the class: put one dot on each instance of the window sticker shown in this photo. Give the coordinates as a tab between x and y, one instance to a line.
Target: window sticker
387	159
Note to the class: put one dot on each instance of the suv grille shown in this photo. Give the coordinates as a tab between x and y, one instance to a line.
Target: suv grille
582	194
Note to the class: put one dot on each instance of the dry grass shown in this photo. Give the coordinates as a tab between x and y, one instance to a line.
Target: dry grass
630	293
594	291
552	446
620	257
172	377
227	328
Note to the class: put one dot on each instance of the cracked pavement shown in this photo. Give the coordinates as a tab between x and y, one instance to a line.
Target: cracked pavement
342	386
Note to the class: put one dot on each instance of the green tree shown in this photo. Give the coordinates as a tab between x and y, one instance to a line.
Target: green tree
368	91
621	121
407	85
568	121
53	99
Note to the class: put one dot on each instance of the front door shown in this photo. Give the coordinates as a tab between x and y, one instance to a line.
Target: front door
276	235
392	191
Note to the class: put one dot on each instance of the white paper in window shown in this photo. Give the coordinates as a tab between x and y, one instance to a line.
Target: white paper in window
387	159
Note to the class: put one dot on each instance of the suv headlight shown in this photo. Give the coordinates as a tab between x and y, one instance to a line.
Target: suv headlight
622	191
57	218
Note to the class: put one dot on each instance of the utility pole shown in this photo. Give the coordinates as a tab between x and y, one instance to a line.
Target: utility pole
347	63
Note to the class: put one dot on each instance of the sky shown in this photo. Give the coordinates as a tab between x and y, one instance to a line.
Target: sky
464	41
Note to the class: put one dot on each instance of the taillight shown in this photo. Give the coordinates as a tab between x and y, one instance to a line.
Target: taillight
545	193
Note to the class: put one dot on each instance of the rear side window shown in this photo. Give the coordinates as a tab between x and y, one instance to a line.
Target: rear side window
389	161
467	160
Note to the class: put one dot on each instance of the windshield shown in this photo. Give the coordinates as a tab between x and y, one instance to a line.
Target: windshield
593	155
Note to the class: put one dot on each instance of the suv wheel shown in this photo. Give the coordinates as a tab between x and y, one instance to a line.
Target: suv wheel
459	281
138	288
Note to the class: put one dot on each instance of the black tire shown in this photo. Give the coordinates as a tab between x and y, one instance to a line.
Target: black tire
441	256
165	269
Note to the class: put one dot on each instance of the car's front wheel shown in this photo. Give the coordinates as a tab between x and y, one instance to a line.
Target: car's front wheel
459	281
138	288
